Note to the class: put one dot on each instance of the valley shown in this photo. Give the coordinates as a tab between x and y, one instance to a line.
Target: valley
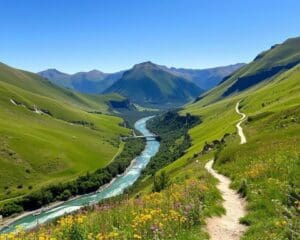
223	162
114	187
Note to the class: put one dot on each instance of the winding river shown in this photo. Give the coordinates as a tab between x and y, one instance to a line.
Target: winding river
117	186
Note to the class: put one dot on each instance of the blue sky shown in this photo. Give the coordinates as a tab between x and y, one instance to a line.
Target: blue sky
112	35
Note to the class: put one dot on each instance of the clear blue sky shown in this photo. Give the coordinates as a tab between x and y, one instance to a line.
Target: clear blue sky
111	35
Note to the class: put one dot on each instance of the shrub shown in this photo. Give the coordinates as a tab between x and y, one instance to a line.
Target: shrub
161	182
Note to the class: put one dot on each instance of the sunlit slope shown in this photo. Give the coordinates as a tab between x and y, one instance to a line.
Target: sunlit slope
266	168
40	86
220	118
62	142
266	66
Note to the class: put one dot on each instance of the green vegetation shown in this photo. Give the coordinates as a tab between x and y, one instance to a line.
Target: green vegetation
82	185
44	148
161	182
266	169
176	212
174	140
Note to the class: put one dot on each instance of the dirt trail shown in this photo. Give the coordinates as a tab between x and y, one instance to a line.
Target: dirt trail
227	227
238	125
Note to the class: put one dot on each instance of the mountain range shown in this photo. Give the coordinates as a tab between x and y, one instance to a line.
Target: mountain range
146	83
85	82
205	78
96	81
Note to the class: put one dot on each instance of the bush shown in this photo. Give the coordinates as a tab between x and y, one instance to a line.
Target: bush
161	182
10	208
243	188
66	194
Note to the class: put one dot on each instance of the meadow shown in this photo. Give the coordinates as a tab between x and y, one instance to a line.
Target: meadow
266	169
176	212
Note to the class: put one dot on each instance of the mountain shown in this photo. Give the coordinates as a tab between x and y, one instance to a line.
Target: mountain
96	81
49	134
206	78
57	77
149	84
91	82
265	67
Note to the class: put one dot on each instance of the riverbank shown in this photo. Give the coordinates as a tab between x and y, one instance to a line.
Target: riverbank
9	220
114	187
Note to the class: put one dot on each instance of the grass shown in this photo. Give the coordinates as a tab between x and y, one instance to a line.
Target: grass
177	212
38	150
269	162
266	169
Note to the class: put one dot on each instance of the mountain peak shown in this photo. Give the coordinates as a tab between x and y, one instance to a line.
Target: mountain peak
52	70
147	64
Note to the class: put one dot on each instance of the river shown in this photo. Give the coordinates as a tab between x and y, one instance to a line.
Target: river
117	186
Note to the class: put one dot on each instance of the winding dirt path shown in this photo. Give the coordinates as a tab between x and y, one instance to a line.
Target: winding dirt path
238	125
227	227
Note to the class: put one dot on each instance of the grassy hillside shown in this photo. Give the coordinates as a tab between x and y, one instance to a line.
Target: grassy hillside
265	169
47	134
266	66
177	212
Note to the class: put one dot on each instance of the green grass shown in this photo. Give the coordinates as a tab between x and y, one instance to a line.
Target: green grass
177	212
37	150
268	163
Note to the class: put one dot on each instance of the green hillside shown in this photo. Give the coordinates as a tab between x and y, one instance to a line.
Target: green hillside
148	84
48	134
266	168
264	67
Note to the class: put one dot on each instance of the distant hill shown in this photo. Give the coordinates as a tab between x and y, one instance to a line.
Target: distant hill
205	78
265	67
85	82
149	84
